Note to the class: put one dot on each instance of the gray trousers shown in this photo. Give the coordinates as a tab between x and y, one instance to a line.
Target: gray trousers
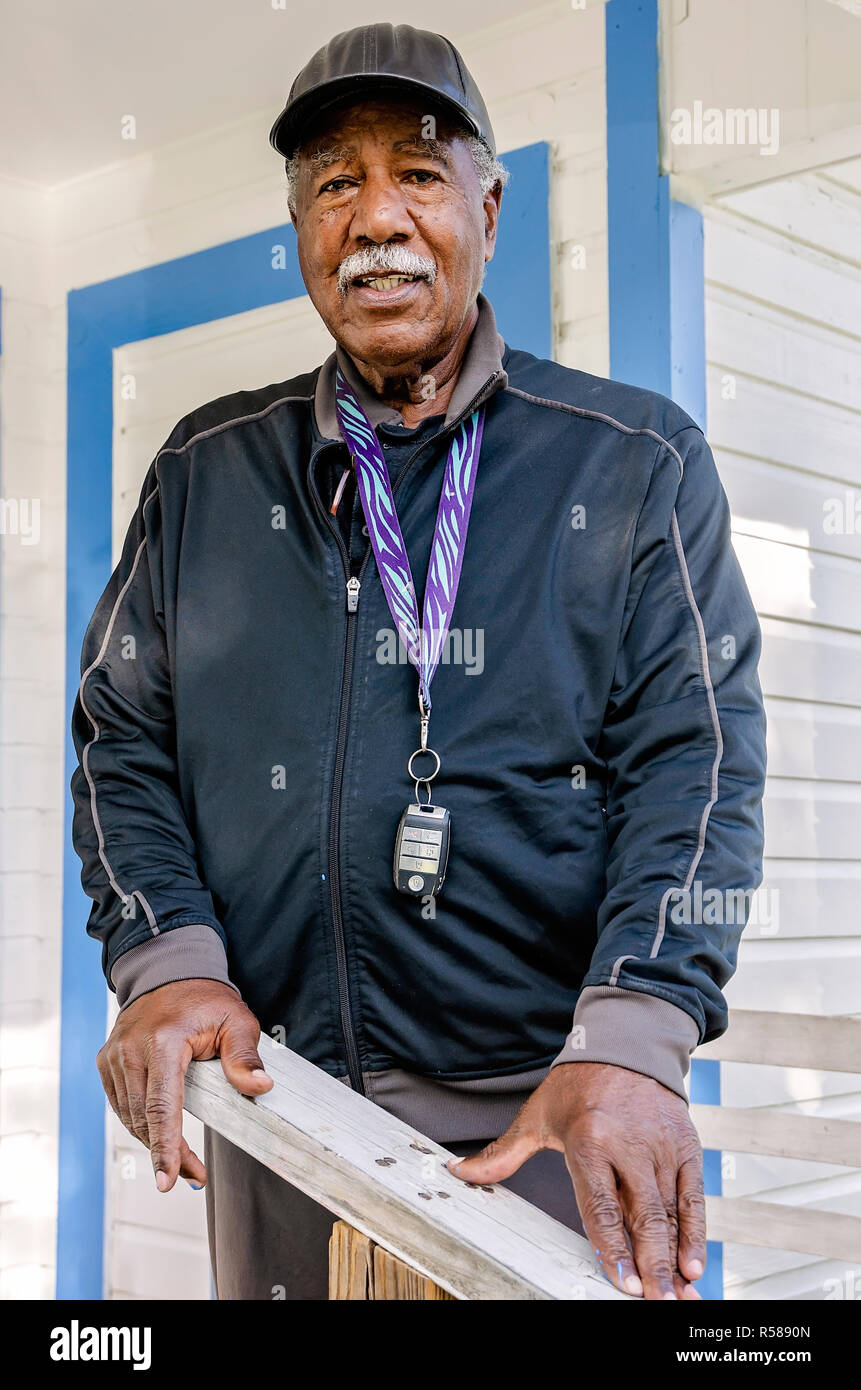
267	1240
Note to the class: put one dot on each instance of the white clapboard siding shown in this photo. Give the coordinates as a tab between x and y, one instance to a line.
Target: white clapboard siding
147	1224
808	663
814	740
809	819
759	419
784	400
773	502
808	975
788	580
32	725
811	208
759	339
811	897
772	269
843	177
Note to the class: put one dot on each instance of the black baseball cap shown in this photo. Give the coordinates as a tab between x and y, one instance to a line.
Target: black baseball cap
381	57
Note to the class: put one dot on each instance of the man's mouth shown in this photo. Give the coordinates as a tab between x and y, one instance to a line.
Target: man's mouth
384	282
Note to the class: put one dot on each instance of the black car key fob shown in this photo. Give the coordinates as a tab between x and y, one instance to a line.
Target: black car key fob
421	850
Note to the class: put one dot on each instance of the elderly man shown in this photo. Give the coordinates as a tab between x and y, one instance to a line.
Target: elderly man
412	871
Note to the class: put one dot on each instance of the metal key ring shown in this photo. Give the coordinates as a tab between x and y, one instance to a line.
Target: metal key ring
423	781
433	753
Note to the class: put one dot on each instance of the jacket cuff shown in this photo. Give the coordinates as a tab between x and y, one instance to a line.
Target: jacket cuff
186	953
627	1028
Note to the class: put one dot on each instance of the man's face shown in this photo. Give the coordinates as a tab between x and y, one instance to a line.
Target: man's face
369	180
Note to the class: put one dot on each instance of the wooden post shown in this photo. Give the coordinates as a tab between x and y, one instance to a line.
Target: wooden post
360	1269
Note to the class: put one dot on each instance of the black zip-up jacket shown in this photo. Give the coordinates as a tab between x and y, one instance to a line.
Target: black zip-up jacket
243	740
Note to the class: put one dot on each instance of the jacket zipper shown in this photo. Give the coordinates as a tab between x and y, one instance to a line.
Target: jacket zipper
348	1029
353	586
345	1008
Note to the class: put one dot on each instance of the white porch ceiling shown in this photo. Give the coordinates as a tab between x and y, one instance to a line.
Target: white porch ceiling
72	69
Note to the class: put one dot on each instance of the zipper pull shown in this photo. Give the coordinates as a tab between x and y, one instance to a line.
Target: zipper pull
353	587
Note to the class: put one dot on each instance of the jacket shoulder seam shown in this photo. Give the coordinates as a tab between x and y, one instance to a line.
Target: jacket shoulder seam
229	424
551	404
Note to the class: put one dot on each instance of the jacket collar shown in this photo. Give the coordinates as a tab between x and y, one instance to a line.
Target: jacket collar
482	364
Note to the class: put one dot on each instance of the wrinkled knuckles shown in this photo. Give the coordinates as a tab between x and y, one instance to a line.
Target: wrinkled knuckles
692	1207
648	1223
602	1214
159	1109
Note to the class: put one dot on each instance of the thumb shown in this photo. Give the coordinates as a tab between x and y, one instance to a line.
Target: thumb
498	1159
240	1058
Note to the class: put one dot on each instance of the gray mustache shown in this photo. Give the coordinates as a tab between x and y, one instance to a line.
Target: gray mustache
384	260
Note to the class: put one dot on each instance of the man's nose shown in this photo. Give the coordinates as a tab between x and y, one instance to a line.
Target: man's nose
380	211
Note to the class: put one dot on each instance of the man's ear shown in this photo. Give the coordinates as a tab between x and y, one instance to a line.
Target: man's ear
492	202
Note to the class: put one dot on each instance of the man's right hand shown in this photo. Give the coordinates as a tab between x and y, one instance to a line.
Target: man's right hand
144	1061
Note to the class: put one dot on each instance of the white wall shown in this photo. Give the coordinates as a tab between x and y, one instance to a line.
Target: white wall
32	426
783	270
194	194
799	58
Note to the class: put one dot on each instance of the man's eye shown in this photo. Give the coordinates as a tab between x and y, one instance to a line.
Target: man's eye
335	185
423	175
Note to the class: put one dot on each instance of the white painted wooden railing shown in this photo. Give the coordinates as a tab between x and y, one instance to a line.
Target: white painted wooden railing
391	1183
784	1040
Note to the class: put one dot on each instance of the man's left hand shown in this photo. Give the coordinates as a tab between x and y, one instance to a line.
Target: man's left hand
636	1165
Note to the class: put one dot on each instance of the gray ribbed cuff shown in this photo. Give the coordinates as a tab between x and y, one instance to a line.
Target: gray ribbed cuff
194	952
627	1028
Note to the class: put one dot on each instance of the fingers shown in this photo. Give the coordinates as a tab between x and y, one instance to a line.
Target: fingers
601	1213
133	1081
500	1158
132	1089
666	1180
143	1065
127	1090
237	1045
164	1092
190	1166
692	1218
649	1228
113	1078
104	1066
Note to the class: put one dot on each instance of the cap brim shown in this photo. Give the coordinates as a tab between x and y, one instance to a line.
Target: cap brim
285	135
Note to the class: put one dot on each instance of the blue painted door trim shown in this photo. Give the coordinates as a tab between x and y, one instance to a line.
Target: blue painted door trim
228	279
657	312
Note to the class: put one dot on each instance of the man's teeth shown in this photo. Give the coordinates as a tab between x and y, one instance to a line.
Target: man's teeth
385	282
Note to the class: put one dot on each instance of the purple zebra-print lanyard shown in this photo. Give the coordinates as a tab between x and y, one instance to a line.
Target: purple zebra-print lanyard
423	644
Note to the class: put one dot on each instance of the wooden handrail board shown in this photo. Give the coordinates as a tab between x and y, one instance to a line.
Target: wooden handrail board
753	1131
391	1183
789	1040
779	1227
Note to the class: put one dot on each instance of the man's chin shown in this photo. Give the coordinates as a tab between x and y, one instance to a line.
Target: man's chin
397	339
